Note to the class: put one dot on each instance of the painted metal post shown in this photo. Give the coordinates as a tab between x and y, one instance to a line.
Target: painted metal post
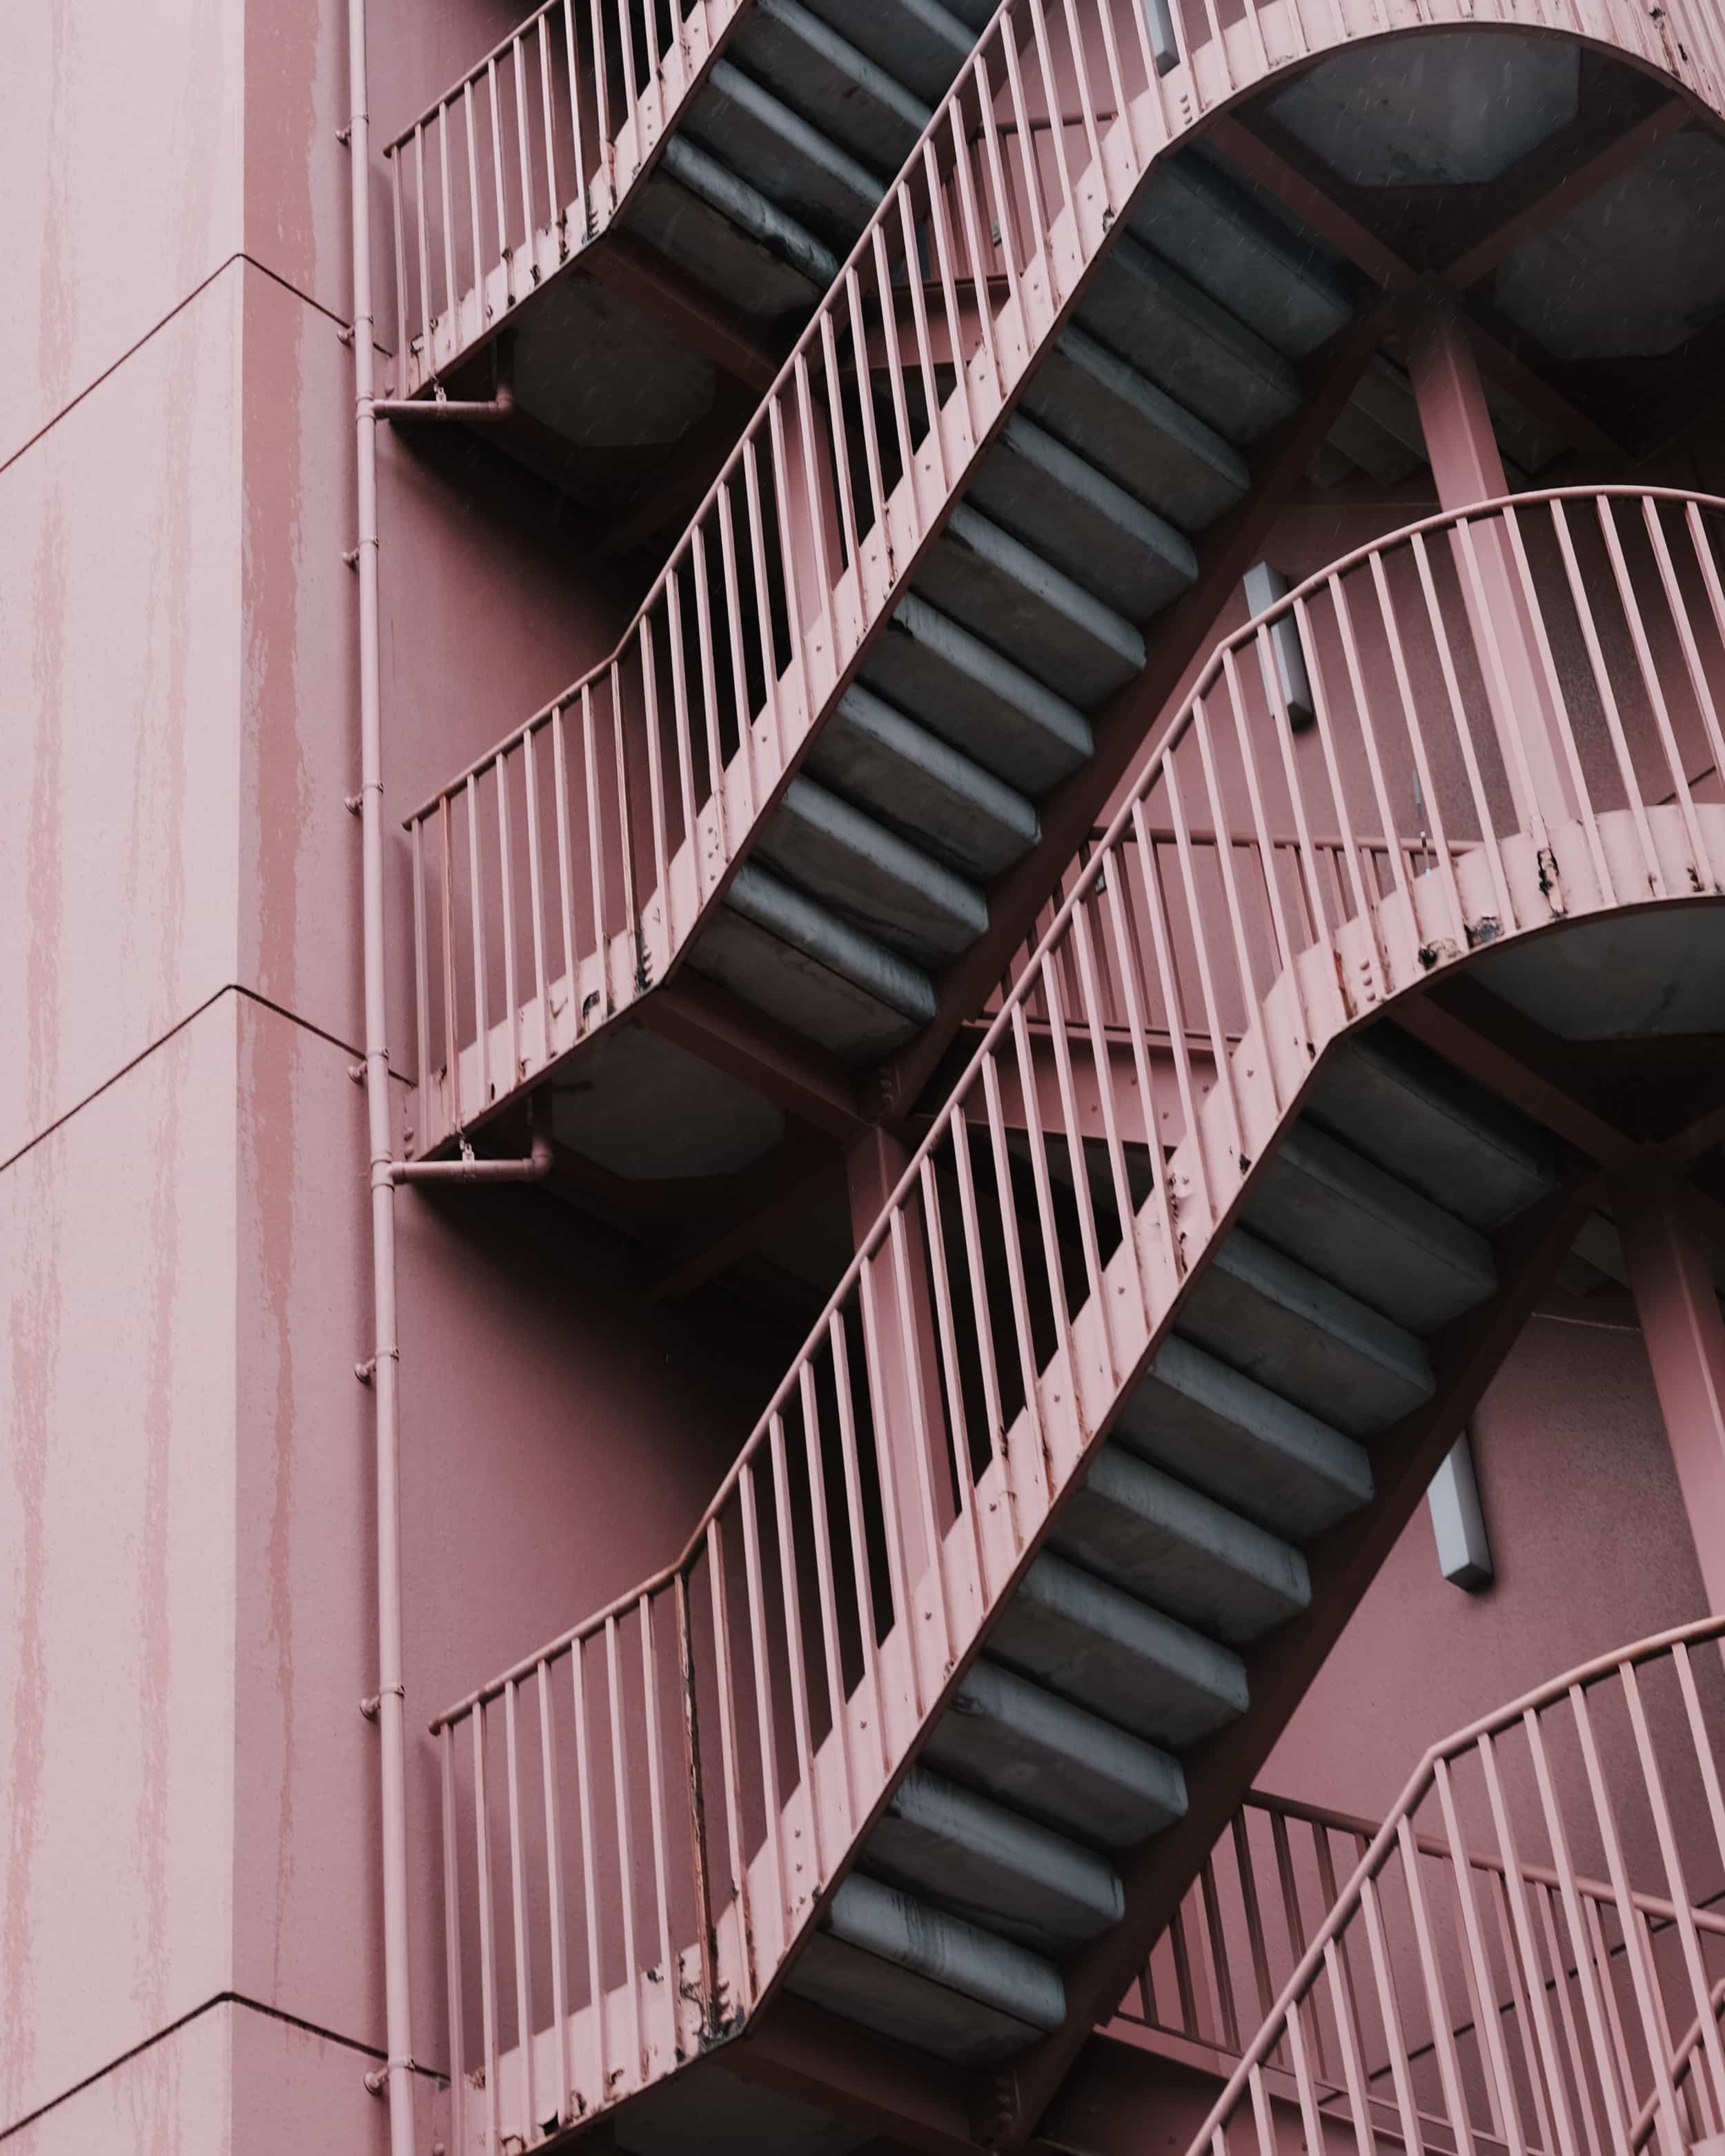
391	1691
1458	1523
907	1368
1684	1332
1461	444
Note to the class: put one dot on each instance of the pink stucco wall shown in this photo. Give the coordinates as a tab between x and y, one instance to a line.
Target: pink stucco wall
186	1498
185	1501
1592	1547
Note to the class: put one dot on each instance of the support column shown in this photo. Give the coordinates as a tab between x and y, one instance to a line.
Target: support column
909	1399
1684	1332
1462	446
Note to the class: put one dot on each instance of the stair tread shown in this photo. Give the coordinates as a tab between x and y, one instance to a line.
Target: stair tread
728	236
879	882
1392	1101
1208	226
982	1861
922	786
929	1978
1013	597
1241	1442
1322	1348
1054	1761
976	698
922	43
1081	521
760	139
1181	1551
856	101
1164	455
1364	1230
797	960
1105	1649
1153	316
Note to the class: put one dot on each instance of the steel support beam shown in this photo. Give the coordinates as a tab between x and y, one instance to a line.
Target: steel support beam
1461	444
706	325
1125	730
1680	1321
1343	1565
803	2051
1519	1061
722	1031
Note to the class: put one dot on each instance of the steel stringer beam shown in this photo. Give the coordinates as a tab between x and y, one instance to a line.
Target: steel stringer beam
1181	642
1343	1565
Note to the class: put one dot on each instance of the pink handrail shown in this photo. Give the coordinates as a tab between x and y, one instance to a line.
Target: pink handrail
1572	1988
999	1309
568	868
1231	1922
528	157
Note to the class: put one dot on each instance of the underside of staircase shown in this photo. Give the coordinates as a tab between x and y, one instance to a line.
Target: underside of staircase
859	1817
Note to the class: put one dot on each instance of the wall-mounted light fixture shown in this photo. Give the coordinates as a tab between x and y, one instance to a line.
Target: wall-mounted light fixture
1464	1553
1264	587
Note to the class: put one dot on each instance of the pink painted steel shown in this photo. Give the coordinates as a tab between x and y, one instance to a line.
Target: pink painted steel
793	562
1507	1915
1257	895
1666	1256
1595	2028
528	159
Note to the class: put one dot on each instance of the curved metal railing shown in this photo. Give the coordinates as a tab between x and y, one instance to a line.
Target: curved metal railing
712	1743
565	871
529	156
1559	1990
1270	1885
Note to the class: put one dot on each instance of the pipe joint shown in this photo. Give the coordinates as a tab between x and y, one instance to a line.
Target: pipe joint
535	1167
377	2078
470	412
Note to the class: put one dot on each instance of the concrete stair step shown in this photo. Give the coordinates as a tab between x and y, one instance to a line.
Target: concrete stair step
913	1972
1012	597
1362	1229
1365	441
1103	1649
1277	1321
1226	1434
921	786
1053	1761
772	148
975	698
1080	521
728	237
979	1860
1107	412
1401	1106
856	103
920	42
874	879
795	959
1279	282
1182	1552
1147	312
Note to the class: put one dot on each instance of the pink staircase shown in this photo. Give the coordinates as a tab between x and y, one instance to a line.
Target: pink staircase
858	1815
1559	1988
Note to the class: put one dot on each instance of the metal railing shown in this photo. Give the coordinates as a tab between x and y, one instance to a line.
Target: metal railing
1235	1943
564	872
713	1742
1556	1991
527	157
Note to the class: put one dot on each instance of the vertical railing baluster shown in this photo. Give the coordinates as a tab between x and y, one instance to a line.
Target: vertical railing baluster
453	1951
554	1891
518	1913
488	1935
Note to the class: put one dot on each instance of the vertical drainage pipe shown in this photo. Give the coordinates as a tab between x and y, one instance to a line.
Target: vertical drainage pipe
397	2075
